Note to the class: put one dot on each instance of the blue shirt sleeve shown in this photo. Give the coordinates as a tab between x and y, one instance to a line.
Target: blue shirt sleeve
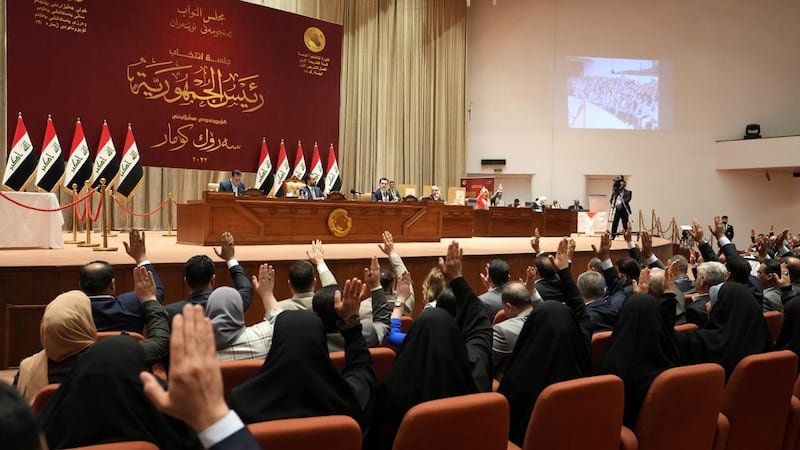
395	336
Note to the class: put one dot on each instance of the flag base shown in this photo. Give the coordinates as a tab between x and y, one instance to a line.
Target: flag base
74	242
105	249
170	234
83	244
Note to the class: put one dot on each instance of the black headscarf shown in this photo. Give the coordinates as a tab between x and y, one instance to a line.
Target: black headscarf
298	378
736	328
550	349
102	401
789	339
431	364
642	346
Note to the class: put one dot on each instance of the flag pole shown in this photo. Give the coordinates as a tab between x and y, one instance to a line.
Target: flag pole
74	217
88	242
104	219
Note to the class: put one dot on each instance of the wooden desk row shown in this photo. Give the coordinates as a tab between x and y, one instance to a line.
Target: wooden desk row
259	221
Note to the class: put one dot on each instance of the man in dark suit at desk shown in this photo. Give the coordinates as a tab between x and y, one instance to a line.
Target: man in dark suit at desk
311	190
234	184
383	193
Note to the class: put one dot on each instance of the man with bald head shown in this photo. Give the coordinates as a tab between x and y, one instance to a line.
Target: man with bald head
518	302
113	312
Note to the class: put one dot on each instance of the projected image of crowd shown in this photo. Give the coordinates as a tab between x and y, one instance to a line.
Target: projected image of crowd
633	100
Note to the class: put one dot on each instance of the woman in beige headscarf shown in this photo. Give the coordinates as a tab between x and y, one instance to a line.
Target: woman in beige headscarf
66	330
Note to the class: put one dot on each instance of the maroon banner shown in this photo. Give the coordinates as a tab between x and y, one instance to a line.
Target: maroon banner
473	185
201	82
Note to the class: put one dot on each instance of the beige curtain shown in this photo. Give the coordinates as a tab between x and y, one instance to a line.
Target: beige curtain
402	112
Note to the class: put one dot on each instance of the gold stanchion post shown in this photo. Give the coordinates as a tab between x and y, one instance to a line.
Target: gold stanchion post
104	219
88	241
169	211
110	198
74	217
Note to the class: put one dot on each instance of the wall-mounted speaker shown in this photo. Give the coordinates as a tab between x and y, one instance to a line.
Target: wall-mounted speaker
493	162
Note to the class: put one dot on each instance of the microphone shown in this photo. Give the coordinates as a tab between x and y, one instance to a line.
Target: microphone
353	191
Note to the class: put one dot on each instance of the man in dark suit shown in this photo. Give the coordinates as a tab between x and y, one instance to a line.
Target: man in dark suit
311	190
234	184
199	275
383	193
435	195
727	228
124	311
620	201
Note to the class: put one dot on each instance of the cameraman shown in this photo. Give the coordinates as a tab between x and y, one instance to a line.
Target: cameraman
620	200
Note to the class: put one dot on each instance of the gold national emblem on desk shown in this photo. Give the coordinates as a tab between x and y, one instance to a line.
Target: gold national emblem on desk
314	39
339	222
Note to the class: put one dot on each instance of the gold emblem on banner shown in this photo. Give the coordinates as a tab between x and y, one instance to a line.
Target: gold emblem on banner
339	222
314	39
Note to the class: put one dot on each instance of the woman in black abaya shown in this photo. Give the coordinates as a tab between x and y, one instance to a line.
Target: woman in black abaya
102	401
642	346
298	378
551	348
736	328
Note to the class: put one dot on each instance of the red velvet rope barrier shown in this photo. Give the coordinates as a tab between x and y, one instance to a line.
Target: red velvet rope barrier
158	208
97	214
69	205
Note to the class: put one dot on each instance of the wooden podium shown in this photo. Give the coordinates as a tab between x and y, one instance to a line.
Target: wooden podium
257	221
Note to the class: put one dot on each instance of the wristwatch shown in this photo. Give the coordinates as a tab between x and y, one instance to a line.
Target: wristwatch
398	303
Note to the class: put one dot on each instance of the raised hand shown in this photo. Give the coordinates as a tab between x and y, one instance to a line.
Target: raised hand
718	230
643	286
571	249
315	255
388	243
535	241
697	231
143	284
628	233
136	249
647	245
485	280
264	282
451	265
404	286
531	275
783	280
605	247
561	261
347	307
670	274
227	250
372	274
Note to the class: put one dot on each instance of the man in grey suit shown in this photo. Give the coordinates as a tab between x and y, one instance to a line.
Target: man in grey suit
496	277
517	303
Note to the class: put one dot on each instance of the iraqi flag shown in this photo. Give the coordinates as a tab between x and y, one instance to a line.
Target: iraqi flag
79	168
281	171
131	172
333	183
265	179
21	164
316	168
299	163
106	164
50	171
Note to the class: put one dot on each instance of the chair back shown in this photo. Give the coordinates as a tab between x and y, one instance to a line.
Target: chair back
757	400
292	186
467	422
595	403
212	187
104	334
774	321
600	341
382	360
308	433
686	327
130	445
43	396
499	317
681	408
237	372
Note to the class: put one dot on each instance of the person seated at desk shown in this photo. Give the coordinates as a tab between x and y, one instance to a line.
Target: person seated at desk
383	193
575	206
311	190
393	190
435	195
234	184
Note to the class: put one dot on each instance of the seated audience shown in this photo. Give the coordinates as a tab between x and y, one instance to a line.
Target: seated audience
19	426
495	278
302	280
103	401
602	314
518	302
768	273
388	278
199	275
642	346
442	356
67	330
446	300
708	274
195	386
736	328
121	312
373	330
298	378
233	339
433	285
